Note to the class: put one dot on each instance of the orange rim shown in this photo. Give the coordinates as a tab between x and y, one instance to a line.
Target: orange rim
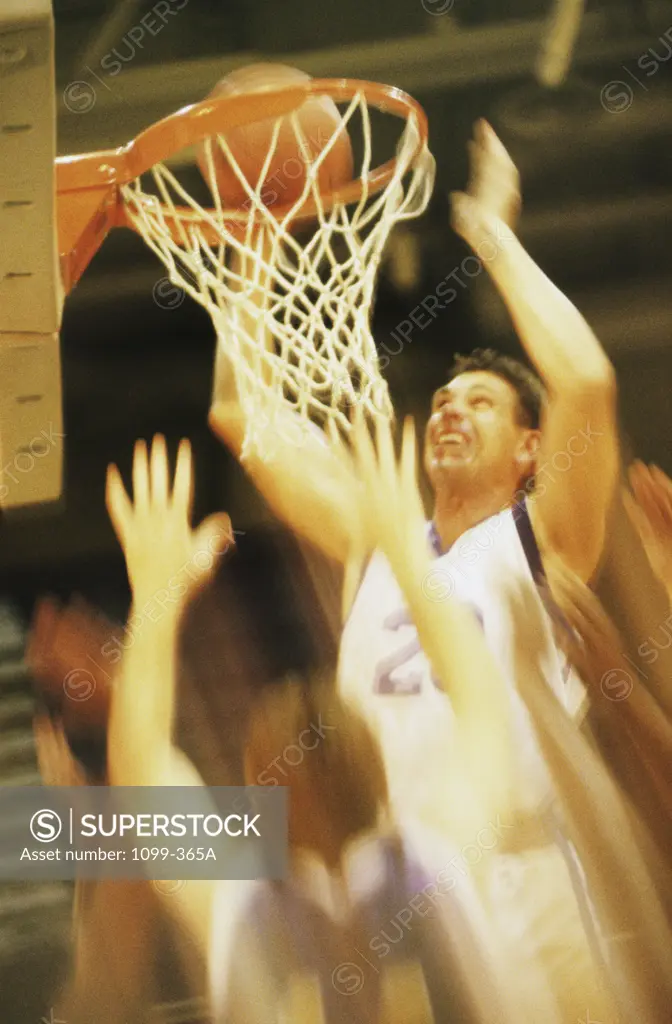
88	186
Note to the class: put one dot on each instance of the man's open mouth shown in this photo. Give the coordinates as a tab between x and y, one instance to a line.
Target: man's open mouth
449	445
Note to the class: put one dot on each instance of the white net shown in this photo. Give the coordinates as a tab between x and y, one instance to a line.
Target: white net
290	298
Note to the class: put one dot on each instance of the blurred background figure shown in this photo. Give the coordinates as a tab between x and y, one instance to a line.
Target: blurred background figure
650	509
605	821
117	931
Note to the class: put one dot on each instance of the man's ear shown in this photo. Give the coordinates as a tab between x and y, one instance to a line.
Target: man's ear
527	452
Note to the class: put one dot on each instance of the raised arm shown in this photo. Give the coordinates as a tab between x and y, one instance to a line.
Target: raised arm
164	559
577	468
479	768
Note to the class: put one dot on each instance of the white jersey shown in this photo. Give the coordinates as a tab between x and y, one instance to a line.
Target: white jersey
383	670
397	925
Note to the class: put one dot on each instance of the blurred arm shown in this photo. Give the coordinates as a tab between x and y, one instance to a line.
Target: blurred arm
650	510
306	484
453	641
578	460
160	550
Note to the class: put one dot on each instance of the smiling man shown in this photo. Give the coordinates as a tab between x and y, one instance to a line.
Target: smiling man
483	428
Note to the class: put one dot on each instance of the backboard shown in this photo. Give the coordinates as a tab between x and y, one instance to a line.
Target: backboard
31	298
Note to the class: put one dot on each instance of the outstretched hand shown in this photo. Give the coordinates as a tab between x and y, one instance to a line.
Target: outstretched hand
650	510
489	210
390	508
163	553
58	765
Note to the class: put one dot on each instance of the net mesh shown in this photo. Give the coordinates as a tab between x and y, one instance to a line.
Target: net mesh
291	306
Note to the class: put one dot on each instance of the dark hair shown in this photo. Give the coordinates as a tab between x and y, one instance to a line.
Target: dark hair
527	385
345	765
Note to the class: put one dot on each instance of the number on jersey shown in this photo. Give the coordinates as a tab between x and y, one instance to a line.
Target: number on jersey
394	675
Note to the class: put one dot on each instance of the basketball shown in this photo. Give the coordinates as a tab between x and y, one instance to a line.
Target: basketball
283	184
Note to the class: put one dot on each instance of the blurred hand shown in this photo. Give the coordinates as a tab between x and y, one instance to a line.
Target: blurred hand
162	551
591	639
57	763
650	510
390	506
489	210
494	181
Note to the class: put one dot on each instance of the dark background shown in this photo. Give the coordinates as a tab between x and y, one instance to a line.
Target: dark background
597	216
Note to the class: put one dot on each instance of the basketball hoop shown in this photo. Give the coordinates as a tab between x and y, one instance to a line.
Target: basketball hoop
289	286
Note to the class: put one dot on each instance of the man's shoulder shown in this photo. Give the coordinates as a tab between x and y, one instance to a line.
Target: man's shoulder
498	536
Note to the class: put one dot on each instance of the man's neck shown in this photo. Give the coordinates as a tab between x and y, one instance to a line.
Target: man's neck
454	514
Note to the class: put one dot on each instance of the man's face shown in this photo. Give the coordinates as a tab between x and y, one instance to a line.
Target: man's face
474	434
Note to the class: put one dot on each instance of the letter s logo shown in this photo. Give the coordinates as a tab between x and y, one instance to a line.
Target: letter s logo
45	826
270	780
